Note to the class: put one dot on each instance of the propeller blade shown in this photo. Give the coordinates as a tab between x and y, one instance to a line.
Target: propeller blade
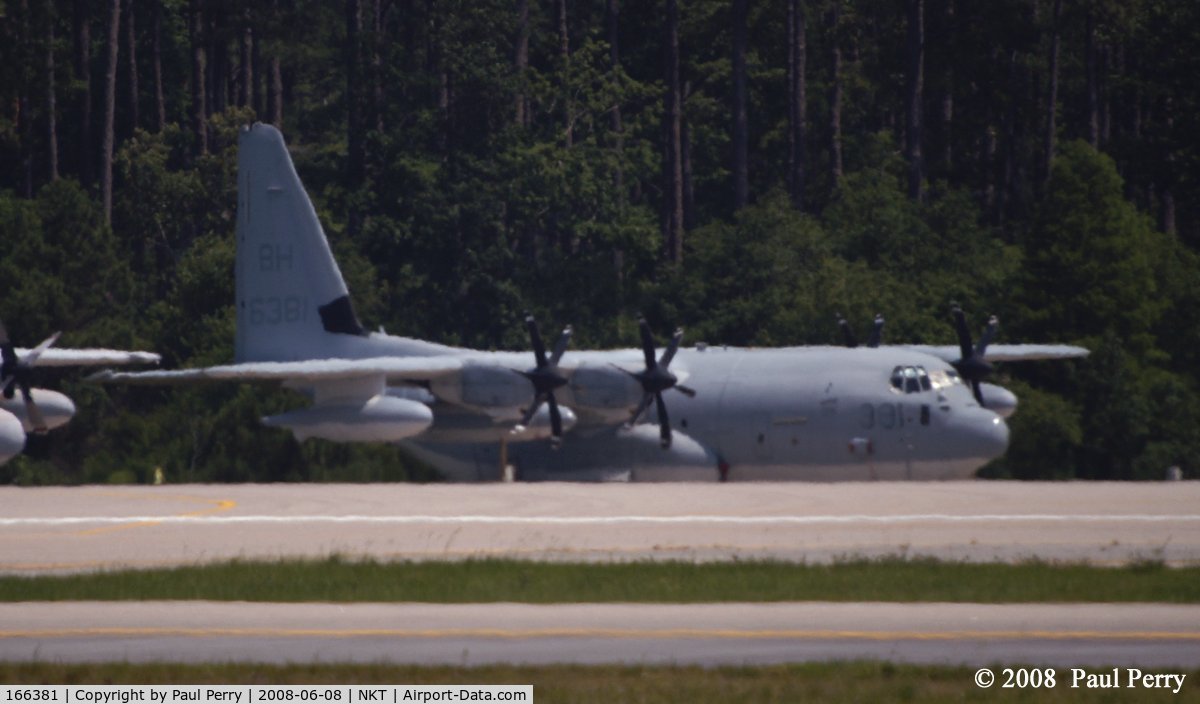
539	349
32	357
36	419
10	387
978	391
986	339
647	343
528	416
876	333
561	346
686	390
964	335
556	430
641	409
672	348
847	334
664	422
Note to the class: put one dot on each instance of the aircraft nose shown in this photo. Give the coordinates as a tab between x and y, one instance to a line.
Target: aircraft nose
992	434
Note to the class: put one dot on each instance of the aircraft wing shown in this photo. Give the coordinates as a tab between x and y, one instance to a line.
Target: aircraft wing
415	368
1006	353
66	357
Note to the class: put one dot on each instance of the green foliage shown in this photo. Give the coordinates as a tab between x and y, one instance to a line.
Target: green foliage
1089	257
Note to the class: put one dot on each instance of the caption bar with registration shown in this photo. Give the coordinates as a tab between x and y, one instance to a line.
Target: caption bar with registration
259	694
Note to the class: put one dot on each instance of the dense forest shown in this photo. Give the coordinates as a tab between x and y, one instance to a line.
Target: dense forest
743	168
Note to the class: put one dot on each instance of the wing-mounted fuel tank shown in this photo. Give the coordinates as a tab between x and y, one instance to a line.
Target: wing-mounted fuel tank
354	410
379	419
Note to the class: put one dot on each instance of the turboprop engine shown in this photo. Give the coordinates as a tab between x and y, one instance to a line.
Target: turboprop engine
381	418
604	391
497	391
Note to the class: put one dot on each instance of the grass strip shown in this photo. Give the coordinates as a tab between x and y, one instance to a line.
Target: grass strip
494	580
810	682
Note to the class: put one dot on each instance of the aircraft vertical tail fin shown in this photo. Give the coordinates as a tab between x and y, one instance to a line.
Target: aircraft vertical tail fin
292	302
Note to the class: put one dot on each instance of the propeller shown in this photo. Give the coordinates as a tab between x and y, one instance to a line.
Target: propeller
16	372
850	340
972	366
657	378
545	378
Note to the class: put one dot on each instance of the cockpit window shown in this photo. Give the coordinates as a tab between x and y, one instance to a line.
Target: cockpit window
914	380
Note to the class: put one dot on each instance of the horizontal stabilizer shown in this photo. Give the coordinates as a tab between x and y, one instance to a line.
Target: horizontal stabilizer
1006	353
415	368
65	357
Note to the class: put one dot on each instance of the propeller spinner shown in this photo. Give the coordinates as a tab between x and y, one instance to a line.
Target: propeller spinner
657	378
16	372
545	377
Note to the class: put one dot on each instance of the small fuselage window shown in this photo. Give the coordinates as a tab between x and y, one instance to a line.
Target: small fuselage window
914	380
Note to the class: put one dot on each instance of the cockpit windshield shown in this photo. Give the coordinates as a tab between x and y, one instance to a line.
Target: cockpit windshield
914	379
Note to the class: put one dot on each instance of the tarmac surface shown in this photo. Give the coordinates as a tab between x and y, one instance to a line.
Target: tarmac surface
71	529
79	529
1042	635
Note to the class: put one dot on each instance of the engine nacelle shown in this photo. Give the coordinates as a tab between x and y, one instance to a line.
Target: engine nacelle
684	461
57	408
604	391
998	400
494	390
380	419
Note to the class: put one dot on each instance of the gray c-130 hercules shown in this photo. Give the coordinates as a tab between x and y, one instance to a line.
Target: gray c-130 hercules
702	413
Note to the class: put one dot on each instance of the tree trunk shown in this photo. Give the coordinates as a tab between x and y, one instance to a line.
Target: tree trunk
673	131
521	62
24	121
378	38
51	98
131	43
160	102
685	166
948	96
797	102
276	93
915	70
83	71
110	104
1008	168
1093	93
835	94
612	12
199	72
1051	99
741	139
246	63
356	165
564	52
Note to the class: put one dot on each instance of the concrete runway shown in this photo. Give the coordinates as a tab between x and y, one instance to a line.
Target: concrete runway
53	530
1041	635
58	530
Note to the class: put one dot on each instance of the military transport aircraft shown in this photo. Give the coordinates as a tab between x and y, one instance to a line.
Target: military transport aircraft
40	410
802	413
